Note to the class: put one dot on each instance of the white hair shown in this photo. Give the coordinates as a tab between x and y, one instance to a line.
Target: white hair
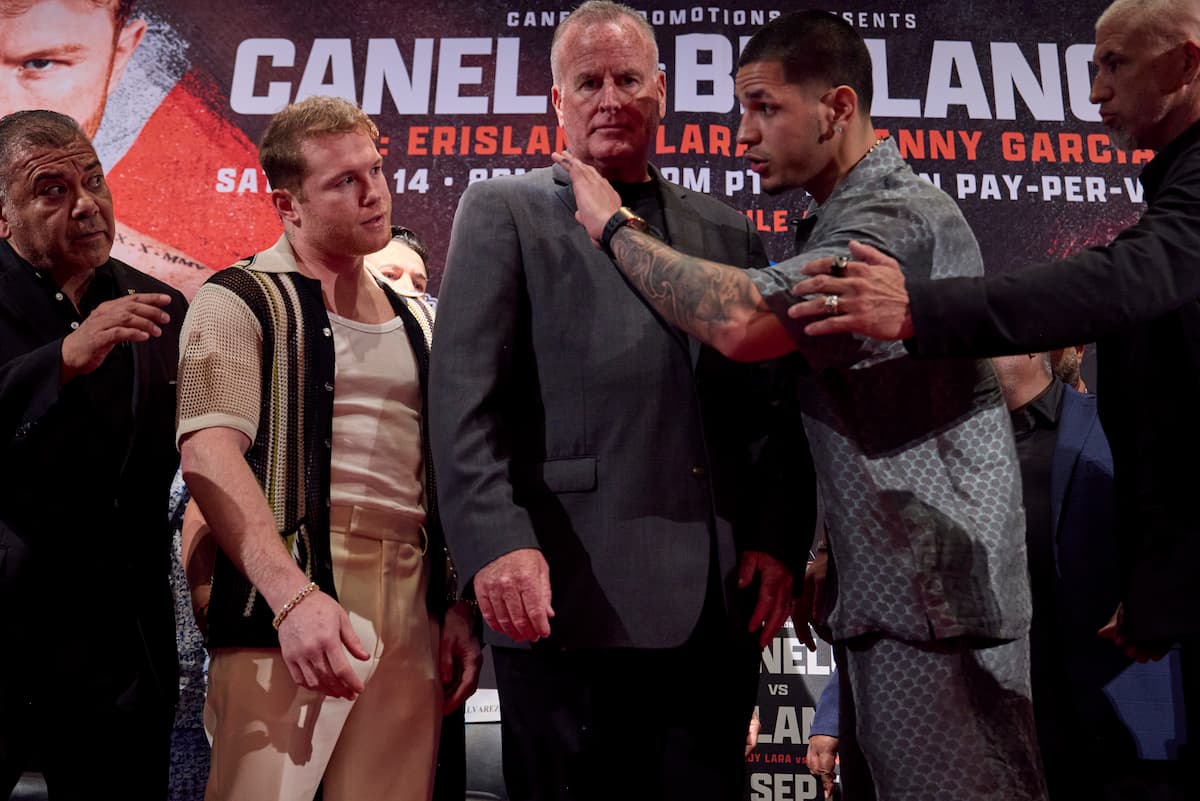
599	12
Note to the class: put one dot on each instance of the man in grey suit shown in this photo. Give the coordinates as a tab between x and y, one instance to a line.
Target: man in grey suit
607	484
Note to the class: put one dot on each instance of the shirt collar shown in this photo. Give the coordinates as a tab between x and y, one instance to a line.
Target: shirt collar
279	258
103	283
882	159
1040	413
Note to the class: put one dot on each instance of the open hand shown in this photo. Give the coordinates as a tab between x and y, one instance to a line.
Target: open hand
871	297
514	595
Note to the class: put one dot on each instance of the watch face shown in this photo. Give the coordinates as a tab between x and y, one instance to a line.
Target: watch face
623	217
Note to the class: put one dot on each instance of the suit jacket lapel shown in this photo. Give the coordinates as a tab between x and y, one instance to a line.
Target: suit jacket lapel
678	223
684	233
563	189
1075	423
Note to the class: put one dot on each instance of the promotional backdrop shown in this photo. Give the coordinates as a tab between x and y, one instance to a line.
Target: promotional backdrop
988	99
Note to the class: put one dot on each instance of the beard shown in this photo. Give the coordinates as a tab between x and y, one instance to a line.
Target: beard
1144	127
1066	364
1122	139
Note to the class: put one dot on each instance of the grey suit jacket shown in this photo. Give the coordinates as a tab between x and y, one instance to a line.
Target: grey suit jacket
567	416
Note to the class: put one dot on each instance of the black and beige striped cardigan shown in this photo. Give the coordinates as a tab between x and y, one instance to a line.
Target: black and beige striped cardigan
265	299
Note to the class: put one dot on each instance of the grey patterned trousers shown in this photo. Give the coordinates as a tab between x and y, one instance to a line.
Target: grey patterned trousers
946	720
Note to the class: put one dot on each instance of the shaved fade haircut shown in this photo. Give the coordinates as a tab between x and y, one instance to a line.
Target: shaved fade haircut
815	47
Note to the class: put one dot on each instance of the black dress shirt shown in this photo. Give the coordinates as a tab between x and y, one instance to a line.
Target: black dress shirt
108	387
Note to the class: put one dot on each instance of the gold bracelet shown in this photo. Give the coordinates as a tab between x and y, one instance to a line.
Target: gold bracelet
286	609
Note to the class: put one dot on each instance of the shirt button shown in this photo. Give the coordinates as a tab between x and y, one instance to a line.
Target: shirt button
699	472
58	296
328	444
328	387
326	331
74	326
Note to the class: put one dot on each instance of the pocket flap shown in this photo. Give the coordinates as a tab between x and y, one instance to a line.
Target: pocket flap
577	474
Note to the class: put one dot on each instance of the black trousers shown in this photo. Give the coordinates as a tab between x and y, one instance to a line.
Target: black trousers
629	724
450	781
89	744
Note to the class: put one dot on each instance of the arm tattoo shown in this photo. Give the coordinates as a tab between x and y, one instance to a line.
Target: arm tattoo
694	294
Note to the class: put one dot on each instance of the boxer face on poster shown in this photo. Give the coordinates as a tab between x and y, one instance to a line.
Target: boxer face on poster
63	55
609	95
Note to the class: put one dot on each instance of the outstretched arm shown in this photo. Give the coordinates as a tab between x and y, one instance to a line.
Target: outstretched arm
1146	272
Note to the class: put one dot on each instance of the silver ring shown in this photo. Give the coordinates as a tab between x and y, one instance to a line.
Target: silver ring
831	305
838	269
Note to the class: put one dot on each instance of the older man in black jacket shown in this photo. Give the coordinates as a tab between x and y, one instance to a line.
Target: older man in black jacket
88	352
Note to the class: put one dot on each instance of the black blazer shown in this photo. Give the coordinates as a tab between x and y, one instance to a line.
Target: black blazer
84	549
567	416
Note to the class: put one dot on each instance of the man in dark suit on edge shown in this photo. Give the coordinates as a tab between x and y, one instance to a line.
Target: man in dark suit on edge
607	483
88	354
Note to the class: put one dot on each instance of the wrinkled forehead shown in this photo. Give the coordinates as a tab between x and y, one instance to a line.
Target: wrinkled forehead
33	160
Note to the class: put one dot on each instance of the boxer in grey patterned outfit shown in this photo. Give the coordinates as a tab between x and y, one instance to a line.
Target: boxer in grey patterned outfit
915	458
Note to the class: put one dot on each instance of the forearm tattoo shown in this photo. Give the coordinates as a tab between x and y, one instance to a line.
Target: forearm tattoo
694	294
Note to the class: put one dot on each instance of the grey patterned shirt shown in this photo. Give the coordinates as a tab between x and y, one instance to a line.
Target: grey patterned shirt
915	458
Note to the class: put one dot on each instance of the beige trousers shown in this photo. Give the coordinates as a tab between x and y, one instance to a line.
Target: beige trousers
274	740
